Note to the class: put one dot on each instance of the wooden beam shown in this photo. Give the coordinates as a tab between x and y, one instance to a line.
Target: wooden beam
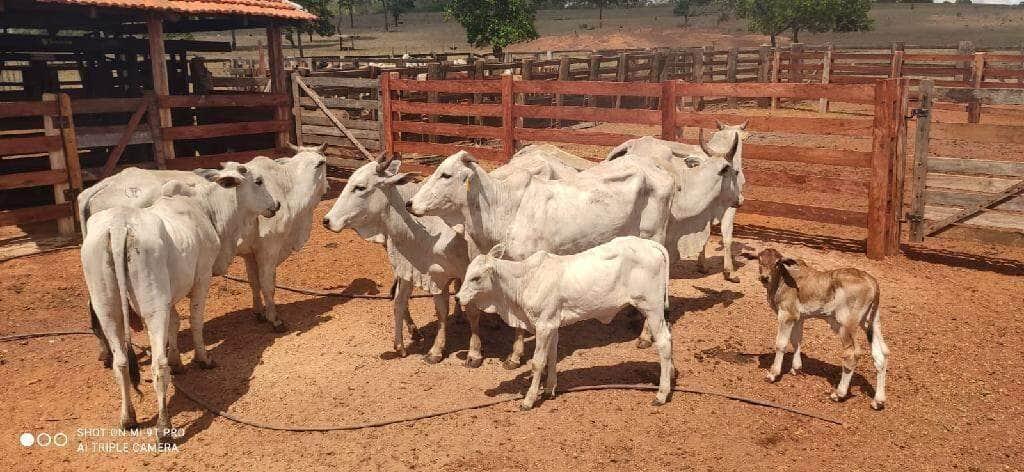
65	224
973	209
158	70
337	123
277	78
508	122
921	142
122	143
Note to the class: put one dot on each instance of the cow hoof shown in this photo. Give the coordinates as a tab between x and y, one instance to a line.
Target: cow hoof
702	269
731	278
474	362
209	364
643	343
658	402
877	405
107	360
525	406
510	364
400	352
258	316
794	371
130	424
279	326
835	397
432	358
770	378
415	334
177	369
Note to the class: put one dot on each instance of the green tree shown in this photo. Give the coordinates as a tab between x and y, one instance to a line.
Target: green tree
684	8
495	23
602	4
397	7
346	5
774	17
321	25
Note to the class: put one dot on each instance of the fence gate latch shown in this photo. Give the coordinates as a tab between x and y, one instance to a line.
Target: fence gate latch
918	113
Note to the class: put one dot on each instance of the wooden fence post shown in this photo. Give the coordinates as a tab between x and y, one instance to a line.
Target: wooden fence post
965	48
796	63
297	108
730	72
896	68
882	216
594	74
387	137
508	123
924	123
668	110
764	70
698	77
826	75
58	161
776	64
479	74
435	71
621	75
974	108
563	76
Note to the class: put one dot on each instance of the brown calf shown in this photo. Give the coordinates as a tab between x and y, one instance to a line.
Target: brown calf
846	298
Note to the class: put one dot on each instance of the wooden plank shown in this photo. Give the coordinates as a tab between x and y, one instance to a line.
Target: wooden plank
240	82
447	86
386	115
979	132
336	102
807	213
318	118
26	108
158	72
33	179
337	123
226	100
882	157
122	143
225	129
36	214
982	96
353	82
921	143
780	124
446	109
806	182
508	120
833	92
984	167
834	157
108	136
214	160
448	129
579	113
669	111
940	217
278	81
439	149
629	89
577	137
296	96
29	145
331	130
368	144
961	199
973	184
983	235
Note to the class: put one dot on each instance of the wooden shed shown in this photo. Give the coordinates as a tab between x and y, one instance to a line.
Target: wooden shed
90	86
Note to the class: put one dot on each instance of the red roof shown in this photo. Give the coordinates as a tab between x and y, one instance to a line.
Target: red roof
267	8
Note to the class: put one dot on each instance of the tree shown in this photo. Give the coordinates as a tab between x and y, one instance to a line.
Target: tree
398	7
346	5
684	8
495	23
773	17
321	25
601	5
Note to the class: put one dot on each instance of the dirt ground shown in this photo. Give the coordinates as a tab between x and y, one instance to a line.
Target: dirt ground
951	312
916	24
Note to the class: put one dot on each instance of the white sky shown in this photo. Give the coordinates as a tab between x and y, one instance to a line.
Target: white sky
991	2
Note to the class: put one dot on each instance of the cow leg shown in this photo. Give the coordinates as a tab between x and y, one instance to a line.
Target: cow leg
268	274
436	352
551	381
161	370
113	330
414	333
106	357
880	354
540	355
663	343
727	262
474	358
781	341
644	341
795	338
173	354
515	358
252	269
197	309
400	303
457	313
849	362
702	260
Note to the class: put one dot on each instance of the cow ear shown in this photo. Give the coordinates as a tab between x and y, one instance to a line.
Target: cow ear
398	179
208	174
393	167
721	126
783	269
497	251
228	180
466	157
323	147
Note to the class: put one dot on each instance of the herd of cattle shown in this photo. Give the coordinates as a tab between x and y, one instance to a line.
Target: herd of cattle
544	241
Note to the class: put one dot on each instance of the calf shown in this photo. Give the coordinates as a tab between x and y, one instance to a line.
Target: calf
546	291
147	259
423	251
846	298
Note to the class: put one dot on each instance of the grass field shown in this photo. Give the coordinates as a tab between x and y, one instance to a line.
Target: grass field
931	25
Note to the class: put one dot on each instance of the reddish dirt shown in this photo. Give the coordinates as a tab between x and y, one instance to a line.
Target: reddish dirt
952	321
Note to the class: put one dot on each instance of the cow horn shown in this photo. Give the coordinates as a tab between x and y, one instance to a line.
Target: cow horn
703	145
382	162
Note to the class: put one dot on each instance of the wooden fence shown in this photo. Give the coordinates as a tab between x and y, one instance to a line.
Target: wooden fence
964	197
498	128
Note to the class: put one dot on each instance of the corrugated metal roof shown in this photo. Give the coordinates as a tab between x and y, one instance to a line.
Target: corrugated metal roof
266	8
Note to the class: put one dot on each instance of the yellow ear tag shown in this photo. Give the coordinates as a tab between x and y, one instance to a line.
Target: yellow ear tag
467	185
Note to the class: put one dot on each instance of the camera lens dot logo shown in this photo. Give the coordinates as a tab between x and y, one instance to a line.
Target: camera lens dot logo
27	439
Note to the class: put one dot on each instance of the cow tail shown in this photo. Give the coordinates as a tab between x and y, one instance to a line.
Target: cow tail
666	268
872	317
119	251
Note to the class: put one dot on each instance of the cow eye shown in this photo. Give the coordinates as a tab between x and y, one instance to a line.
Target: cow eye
359	188
259	180
321	163
445	175
475	279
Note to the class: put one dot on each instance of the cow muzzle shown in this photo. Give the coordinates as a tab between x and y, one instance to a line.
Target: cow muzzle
408	207
273	211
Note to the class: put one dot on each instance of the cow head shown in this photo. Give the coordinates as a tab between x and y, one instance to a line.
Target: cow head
364	199
312	169
478	285
773	266
251	194
445	190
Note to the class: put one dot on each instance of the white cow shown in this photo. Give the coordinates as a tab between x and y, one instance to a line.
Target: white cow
296	182
147	259
424	251
546	291
528	214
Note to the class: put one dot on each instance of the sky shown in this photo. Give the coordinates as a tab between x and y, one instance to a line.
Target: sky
990	2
